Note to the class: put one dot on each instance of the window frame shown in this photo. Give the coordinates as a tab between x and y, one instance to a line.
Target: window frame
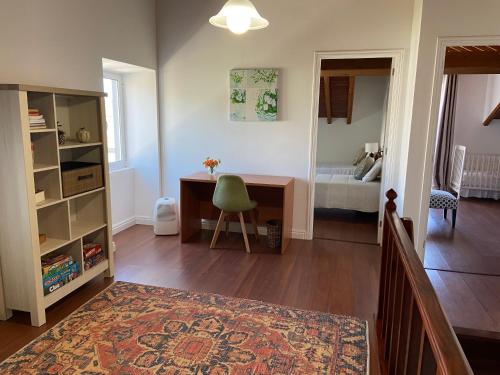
122	162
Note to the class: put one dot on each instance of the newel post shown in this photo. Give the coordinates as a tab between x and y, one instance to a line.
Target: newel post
391	196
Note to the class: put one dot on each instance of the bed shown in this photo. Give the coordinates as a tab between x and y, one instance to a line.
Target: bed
481	176
345	192
335	168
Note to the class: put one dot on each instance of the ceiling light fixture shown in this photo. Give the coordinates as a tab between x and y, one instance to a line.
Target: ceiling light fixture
239	16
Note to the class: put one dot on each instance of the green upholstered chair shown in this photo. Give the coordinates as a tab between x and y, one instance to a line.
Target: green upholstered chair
231	197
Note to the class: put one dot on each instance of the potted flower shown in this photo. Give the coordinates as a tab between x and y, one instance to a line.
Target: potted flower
211	164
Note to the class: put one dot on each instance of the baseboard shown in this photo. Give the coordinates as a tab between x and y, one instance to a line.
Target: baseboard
122	225
299	234
143	220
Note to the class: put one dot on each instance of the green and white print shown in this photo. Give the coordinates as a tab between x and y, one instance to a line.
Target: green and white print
253	94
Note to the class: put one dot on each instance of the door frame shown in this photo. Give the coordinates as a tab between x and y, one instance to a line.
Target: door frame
432	126
394	102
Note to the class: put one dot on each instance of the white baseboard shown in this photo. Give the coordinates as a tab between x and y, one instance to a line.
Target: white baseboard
144	220
122	225
299	234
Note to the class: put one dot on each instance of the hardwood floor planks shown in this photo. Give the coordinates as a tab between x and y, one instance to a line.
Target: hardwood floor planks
323	275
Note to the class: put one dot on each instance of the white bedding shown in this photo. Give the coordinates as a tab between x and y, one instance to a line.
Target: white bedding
335	168
345	192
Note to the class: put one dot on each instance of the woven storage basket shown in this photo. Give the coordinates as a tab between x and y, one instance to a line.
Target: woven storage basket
273	233
79	177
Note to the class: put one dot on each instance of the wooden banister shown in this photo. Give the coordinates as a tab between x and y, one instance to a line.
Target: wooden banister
414	334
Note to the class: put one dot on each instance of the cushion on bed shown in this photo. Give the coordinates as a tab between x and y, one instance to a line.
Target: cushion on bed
360	155
363	167
374	171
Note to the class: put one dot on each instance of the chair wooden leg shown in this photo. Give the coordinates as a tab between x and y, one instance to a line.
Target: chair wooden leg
227	227
244	230
254	224
445	213
218	228
453	218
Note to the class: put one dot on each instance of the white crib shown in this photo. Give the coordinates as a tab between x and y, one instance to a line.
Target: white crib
481	178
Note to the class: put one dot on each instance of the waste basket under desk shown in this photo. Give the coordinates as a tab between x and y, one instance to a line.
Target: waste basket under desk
274	196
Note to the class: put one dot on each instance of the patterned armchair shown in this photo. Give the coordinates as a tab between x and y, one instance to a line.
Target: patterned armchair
448	200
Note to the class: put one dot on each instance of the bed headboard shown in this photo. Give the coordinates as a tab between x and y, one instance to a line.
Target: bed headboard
414	334
457	168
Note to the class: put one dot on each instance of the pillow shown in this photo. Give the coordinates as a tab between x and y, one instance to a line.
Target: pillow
363	167
374	171
360	155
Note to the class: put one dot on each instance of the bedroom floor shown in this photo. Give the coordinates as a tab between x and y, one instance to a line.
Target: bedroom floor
473	246
330	276
345	225
464	267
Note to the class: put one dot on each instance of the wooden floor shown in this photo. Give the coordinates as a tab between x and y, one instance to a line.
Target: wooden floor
345	225
473	246
324	275
464	267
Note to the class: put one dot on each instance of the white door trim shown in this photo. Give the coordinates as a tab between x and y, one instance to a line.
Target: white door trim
393	113
432	126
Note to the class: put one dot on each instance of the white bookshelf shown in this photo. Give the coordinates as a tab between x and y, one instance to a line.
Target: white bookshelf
67	222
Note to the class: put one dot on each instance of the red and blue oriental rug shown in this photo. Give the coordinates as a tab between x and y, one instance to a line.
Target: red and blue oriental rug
137	329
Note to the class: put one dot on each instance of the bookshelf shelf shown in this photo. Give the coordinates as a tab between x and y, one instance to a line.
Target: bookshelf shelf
71	144
79	230
51	244
47	202
48	130
73	285
39	167
68	223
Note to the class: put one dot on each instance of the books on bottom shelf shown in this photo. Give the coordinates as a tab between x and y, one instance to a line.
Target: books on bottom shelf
57	271
93	254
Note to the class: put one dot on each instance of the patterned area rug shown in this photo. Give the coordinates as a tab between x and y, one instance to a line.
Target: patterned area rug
137	329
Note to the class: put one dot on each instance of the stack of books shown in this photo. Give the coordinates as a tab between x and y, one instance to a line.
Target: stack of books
36	119
92	254
58	271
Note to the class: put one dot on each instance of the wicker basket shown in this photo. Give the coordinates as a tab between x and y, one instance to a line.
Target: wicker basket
273	233
79	177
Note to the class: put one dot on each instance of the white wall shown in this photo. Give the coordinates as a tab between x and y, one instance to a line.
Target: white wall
492	96
475	95
439	18
194	61
338	141
122	199
141	122
61	42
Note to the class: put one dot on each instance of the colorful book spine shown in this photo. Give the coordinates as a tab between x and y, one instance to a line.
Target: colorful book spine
93	261
55	271
60	280
89	250
53	263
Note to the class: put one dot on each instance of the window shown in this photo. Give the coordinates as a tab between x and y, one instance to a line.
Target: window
115	129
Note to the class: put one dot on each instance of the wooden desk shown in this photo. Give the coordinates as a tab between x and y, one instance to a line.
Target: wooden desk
274	196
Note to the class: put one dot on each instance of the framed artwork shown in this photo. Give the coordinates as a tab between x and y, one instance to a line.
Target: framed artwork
253	95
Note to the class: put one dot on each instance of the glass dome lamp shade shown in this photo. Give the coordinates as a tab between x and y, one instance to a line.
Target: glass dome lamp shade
239	16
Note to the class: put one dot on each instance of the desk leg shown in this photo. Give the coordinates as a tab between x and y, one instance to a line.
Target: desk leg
286	234
189	211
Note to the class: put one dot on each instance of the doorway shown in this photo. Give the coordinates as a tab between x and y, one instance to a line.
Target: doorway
354	112
461	256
